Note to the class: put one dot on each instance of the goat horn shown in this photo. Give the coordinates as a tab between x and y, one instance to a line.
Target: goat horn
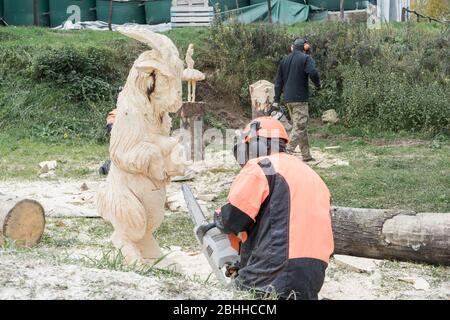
162	44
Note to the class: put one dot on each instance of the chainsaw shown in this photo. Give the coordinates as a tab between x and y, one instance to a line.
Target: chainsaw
216	246
278	112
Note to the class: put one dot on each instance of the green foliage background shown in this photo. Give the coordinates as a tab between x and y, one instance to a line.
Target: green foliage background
60	85
396	78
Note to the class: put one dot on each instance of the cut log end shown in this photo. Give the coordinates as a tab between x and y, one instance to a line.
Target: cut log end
24	223
392	234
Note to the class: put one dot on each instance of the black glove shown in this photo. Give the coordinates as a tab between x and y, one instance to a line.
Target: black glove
273	107
232	271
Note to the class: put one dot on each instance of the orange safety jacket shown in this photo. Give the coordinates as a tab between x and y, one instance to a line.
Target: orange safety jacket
284	207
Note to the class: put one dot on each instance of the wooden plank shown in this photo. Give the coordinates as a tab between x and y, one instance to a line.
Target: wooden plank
191	19
186	4
190	24
205	14
192	14
191	9
190	2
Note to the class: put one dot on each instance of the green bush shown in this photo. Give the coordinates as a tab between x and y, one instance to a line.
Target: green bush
243	54
60	85
395	78
15	59
380	100
86	74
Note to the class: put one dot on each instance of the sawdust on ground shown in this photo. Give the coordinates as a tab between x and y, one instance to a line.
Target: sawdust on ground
39	279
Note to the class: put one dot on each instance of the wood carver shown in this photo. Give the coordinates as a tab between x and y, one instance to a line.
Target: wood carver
143	155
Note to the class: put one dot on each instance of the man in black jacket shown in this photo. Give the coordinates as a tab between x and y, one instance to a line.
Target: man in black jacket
294	72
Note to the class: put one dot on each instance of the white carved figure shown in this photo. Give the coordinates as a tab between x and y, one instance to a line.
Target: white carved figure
143	155
191	75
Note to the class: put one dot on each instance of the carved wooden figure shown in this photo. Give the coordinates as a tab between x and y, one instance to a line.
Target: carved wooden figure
191	75
262	93
143	155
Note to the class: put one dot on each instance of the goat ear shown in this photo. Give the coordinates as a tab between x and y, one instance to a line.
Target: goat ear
151	65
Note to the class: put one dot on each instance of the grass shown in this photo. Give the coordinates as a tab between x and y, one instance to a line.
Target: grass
76	233
85	242
385	174
30	107
19	158
177	230
62	245
38	123
45	126
113	259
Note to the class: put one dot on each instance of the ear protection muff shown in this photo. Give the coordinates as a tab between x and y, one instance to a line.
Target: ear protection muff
306	44
257	145
306	47
240	152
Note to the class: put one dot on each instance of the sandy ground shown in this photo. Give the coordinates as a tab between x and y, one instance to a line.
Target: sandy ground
38	280
65	198
32	275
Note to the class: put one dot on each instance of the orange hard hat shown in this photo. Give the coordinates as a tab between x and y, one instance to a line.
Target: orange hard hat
267	127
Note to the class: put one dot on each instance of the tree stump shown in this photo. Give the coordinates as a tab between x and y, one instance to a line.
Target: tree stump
262	93
392	234
192	120
21	221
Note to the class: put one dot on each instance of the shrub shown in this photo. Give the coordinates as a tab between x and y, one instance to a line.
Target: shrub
86	74
15	59
378	99
395	78
243	54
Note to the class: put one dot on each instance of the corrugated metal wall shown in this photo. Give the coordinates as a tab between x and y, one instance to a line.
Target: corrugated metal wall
391	10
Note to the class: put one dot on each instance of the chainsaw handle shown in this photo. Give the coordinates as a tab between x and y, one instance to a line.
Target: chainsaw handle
203	229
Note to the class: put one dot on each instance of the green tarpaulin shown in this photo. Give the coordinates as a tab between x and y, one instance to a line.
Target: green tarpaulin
283	12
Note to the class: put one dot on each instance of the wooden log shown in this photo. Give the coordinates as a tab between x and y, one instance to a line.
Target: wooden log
262	93
392	234
21	221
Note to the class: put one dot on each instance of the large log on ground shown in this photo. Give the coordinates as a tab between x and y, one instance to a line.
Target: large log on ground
392	234
21	221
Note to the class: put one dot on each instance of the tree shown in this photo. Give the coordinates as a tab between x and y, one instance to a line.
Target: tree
418	5
269	9
438	9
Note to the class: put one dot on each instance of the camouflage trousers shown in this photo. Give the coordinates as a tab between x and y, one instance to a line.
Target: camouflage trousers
299	134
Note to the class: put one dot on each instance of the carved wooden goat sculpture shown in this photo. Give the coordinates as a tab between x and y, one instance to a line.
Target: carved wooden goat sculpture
143	155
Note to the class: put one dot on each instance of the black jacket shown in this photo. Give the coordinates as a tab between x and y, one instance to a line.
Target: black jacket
292	77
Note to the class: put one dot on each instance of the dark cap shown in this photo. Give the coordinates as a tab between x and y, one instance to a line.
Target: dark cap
299	44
